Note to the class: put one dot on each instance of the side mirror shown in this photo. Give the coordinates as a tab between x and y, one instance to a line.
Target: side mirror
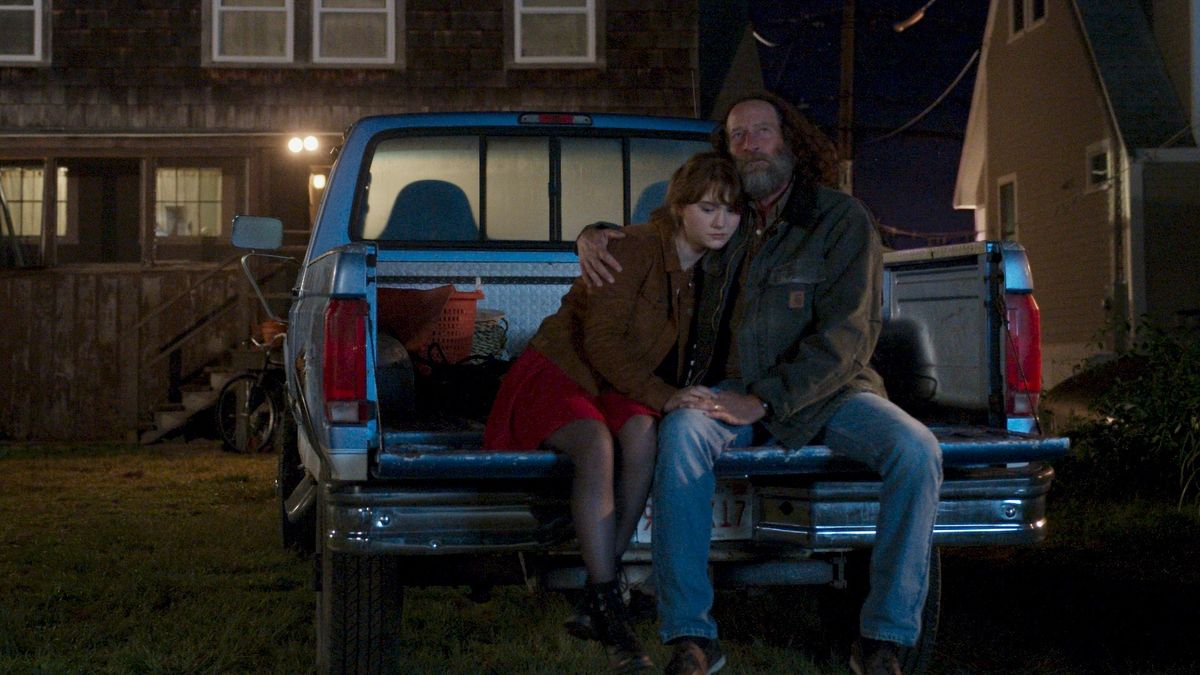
257	232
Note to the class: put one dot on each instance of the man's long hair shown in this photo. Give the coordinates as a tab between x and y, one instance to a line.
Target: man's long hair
816	156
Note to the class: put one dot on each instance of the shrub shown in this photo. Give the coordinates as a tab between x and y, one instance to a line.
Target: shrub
1145	438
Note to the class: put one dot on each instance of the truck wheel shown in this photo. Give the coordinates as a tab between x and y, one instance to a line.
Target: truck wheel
299	536
359	613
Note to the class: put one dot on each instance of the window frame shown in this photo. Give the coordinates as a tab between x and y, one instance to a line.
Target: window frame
213	34
232	173
1094	150
1009	180
40	56
1028	20
595	58
394	31
303	26
64	230
554	240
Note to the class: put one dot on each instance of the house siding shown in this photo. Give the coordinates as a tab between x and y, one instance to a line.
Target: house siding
1040	119
121	70
127	90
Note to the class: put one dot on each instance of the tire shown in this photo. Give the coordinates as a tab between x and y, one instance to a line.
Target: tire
359	613
840	609
247	414
299	536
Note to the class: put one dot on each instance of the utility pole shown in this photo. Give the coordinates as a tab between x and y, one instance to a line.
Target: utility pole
845	136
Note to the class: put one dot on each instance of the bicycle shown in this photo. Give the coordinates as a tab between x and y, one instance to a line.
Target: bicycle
250	406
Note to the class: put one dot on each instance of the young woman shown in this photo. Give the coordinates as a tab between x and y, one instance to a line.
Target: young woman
601	370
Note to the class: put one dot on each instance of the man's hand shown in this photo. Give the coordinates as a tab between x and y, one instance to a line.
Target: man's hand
699	397
597	264
734	408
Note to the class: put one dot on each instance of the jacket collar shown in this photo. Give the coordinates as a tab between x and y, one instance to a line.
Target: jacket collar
666	235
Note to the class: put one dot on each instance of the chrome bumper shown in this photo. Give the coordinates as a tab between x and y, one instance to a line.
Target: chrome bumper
986	506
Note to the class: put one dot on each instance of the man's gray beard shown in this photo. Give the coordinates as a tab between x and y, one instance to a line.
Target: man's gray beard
765	182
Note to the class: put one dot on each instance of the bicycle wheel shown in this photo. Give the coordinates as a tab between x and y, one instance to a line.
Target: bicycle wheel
246	415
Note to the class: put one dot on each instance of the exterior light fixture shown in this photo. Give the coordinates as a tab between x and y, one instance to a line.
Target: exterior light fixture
318	181
310	143
295	144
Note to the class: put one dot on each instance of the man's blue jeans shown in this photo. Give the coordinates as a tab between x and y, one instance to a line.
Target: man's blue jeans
867	428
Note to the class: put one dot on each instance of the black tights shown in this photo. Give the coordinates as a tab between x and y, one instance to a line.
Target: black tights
606	507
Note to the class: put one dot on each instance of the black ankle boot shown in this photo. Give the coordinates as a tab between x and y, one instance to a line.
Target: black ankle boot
610	625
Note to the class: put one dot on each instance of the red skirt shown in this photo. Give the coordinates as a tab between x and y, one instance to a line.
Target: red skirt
537	398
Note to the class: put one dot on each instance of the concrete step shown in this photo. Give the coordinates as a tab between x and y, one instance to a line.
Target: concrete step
166	420
198	399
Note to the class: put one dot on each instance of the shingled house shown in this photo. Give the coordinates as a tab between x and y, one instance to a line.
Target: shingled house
130	136
1081	145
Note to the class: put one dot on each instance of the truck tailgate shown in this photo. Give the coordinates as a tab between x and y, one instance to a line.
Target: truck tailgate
421	455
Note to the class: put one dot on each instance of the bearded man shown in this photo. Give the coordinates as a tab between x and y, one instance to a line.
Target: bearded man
787	318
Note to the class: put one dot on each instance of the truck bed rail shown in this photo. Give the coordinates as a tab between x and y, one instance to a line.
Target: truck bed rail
409	455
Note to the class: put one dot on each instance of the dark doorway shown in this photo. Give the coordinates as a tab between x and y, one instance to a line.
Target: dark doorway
105	208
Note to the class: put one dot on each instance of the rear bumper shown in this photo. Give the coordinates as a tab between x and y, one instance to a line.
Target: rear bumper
977	507
981	506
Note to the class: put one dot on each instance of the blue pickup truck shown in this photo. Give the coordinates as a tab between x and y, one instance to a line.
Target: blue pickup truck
382	473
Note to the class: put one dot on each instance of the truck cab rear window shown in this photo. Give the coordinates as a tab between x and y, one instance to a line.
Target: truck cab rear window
514	188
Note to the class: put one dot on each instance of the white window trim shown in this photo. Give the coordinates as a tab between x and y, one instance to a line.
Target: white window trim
519	11
1007	179
1100	147
38	16
290	43
1029	22
319	9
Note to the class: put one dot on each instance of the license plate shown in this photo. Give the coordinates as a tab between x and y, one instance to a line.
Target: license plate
733	511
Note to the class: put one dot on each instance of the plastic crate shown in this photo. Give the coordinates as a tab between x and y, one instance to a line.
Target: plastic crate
454	331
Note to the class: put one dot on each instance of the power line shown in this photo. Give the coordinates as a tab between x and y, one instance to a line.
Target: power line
962	73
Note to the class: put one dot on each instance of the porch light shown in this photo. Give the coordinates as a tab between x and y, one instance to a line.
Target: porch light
318	181
298	144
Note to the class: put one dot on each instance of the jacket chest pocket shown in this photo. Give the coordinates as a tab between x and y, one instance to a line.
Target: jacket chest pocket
787	300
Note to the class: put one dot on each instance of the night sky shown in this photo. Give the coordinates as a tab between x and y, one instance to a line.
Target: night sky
907	179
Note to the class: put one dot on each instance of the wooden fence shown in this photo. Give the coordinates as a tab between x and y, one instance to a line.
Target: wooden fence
88	352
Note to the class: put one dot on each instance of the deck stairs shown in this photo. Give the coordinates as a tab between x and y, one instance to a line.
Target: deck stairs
188	404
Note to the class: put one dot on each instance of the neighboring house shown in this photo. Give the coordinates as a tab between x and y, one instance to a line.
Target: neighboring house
132	133
1081	145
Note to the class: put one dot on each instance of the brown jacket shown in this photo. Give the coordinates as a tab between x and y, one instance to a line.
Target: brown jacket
618	335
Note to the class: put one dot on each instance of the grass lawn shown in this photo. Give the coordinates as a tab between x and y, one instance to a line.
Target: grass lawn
164	560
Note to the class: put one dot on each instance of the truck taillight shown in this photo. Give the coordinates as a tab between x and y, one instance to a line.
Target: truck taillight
344	375
1023	357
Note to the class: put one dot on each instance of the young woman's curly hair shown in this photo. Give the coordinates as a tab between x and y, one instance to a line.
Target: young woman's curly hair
816	156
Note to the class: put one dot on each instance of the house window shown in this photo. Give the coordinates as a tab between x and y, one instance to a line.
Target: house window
1026	14
252	31
304	33
1099	166
354	31
22	187
21	31
188	202
553	32
1008	207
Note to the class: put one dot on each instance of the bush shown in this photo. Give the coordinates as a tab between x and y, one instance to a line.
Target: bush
1145	438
